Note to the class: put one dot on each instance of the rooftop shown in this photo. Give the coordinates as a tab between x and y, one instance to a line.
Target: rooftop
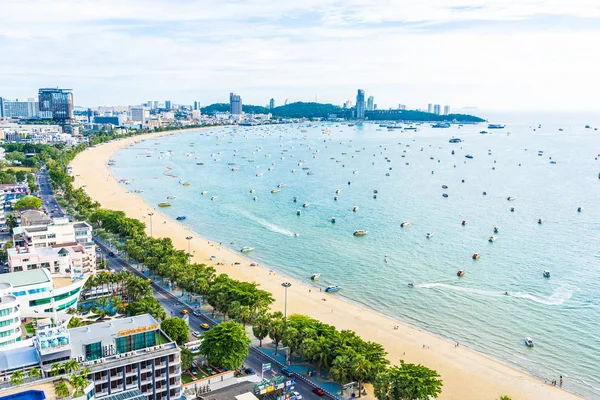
230	392
26	278
18	357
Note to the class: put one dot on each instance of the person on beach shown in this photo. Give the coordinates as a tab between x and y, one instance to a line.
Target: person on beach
561	381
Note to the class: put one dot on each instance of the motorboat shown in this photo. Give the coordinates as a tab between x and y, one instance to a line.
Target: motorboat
247	249
252	190
164	204
281	185
335	198
429	235
464	222
546	273
579	209
330	289
445	194
333	220
355	208
461	272
171	197
337	191
404	224
213	198
444	186
275	191
314	277
468	156
203	192
528	342
476	256
492	239
186	184
181	218
360	233
540	221
511	198
495	229
411	285
298	212
305	204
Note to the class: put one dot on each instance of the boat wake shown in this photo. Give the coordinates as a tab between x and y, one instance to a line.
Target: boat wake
558	297
270	226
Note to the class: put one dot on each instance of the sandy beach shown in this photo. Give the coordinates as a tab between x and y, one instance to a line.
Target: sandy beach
466	374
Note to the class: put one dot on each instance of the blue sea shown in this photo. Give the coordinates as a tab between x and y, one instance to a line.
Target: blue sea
408	170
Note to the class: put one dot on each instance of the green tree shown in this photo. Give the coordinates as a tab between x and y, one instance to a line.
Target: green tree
61	390
175	328
147	305
70	366
341	370
28	202
407	382
260	327
226	345
21	176
504	398
138	288
17	378
55	369
117	304
74	322
276	329
79	383
34	373
72	310
187	359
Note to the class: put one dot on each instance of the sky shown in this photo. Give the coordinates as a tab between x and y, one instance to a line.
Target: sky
491	54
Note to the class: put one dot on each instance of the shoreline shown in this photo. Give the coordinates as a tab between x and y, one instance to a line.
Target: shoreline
485	377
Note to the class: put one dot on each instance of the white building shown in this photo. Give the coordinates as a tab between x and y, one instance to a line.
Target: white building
60	231
59	259
139	114
10	321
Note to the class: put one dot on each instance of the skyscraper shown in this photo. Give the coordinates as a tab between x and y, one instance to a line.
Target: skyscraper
437	109
370	103
168	104
19	109
195	105
446	110
360	104
56	104
271	104
430	108
401	107
155	105
235	104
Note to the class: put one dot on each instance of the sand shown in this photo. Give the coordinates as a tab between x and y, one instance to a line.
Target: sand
467	374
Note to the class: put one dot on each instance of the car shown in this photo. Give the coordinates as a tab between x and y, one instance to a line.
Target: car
205	326
197	313
318	391
249	371
286	372
184	312
196	334
296	395
111	254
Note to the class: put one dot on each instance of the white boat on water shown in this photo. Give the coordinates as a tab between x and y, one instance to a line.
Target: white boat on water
305	205
511	198
314	277
275	191
213	198
360	233
171	197
492	239
247	249
405	224
529	342
546	273
429	235
203	192
330	289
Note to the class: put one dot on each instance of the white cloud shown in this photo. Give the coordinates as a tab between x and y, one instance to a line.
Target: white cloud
494	53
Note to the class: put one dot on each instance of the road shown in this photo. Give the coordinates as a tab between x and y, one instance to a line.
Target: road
49	203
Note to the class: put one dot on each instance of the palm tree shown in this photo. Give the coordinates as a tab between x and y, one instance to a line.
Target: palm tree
55	369
79	383
70	366
17	378
260	327
361	371
61	390
85	372
117	304
71	311
340	371
34	373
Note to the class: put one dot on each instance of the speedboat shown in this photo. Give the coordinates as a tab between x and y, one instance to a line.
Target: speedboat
305	205
540	221
281	185
445	194
460	272
314	277
247	249
429	235
298	212
464	222
511	198
411	285
529	342
355	208
181	218
203	192
164	204
294	199
333	220
468	156
330	289
337	191
546	273
213	198
444	186
171	197
360	233
275	191
405	224
492	239
495	229
252	190
476	256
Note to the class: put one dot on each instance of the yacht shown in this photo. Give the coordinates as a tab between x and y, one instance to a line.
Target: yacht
203	192
213	198
511	198
281	185
305	205
314	277
330	289
360	233
247	249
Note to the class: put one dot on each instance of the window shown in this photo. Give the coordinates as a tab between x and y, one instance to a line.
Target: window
31	266
93	351
39	302
136	342
25	259
5	312
21	293
18	268
51	236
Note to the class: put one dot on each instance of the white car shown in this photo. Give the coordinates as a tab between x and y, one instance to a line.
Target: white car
196	334
197	313
297	395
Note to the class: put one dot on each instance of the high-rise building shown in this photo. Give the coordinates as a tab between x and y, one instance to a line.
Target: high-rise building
437	109
446	110
139	114
168	104
271	104
430	108
155	105
370	103
401	107
56	104
374	107
19	109
360	104
235	104
195	105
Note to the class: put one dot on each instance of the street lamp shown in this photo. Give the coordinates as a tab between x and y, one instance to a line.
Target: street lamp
150	215
189	239
286	285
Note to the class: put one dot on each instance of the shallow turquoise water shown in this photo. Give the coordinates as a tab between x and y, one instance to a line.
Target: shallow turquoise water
561	313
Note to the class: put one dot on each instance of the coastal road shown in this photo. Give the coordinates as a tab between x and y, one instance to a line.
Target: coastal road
173	307
49	203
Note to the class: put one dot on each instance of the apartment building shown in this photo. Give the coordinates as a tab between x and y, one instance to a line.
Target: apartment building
61	230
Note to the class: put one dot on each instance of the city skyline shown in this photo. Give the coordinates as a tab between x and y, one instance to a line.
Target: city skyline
490	54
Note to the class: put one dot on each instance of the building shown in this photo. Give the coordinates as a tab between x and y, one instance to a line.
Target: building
128	358
401	107
196	115
235	104
139	114
437	109
34	217
10	316
19	109
61	230
360	104
370	103
430	108
155	106
56	104
168	104
59	259
446	110
116	120
271	104
196	105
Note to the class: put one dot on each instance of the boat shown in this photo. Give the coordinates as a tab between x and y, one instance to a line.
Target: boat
314	277
484	132
203	192
338	191
330	289
455	140
213	198
441	125
445	194
429	235
495	229
540	221
281	185
252	190
511	198
546	273
528	342
164	204
468	156
186	184
355	208
444	186
579	209
411	285
259	174
476	256
360	233
171	197
495	126
460	272
404	224
305	205
298	212
492	239
464	222
333	220
181	218
247	249
275	191
199	163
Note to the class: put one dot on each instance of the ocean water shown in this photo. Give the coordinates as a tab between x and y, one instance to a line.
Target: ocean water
561	313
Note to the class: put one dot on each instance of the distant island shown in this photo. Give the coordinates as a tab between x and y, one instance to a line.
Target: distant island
324	110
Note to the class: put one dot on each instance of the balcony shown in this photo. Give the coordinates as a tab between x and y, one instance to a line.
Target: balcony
131	373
